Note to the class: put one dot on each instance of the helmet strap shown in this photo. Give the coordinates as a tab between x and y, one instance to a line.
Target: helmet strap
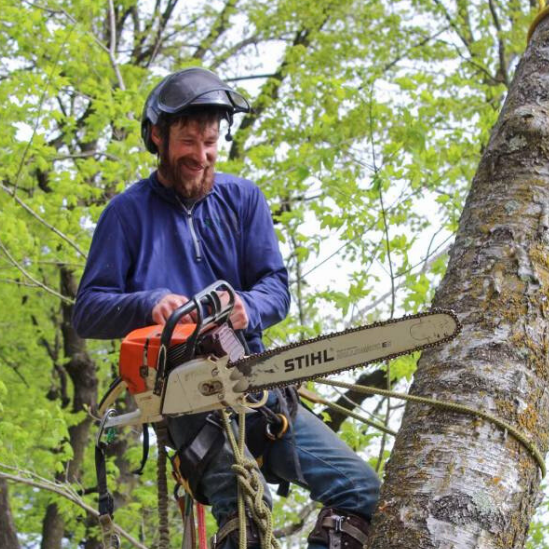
229	119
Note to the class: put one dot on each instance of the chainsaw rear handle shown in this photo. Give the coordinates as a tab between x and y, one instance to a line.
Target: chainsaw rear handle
209	312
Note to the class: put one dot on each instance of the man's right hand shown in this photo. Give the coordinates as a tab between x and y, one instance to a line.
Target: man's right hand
167	305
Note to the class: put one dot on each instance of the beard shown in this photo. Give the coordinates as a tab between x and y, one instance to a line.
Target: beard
187	187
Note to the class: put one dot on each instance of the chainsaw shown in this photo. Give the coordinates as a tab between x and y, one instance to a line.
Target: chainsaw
179	369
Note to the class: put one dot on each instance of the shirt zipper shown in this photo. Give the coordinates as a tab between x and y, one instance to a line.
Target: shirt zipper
189	212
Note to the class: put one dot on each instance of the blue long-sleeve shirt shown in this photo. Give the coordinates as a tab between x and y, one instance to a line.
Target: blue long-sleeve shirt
148	244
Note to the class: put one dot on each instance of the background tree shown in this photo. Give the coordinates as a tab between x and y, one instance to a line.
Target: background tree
368	122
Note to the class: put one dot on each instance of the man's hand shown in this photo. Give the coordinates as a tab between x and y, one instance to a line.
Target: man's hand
167	305
170	302
239	317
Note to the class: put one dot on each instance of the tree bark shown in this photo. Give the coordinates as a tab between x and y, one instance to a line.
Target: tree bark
53	528
8	534
82	372
453	481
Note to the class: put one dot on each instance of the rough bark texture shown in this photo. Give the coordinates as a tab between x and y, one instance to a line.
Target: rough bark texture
453	481
8	534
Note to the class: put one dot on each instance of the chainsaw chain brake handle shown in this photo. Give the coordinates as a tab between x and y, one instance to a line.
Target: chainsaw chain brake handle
209	311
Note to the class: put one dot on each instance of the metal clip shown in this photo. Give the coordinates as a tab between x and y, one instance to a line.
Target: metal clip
338	524
106	416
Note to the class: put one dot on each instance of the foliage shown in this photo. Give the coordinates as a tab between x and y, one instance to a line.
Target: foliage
368	122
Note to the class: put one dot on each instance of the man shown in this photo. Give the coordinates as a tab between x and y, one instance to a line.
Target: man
171	235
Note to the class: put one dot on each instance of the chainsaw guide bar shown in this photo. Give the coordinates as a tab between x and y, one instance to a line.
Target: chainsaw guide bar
346	350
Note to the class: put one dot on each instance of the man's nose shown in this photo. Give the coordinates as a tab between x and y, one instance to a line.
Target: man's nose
200	154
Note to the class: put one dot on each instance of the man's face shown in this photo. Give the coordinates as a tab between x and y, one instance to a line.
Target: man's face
187	164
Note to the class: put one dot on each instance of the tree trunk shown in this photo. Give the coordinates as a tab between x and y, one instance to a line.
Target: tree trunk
454	481
8	534
82	371
53	528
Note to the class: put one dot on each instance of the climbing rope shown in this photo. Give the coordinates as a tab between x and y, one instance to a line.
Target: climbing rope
162	486
317	399
542	14
251	488
453	406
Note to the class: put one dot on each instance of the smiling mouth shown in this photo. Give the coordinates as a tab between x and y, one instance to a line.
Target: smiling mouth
193	167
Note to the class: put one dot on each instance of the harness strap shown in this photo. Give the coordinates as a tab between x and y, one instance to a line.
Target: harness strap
224	531
145	454
110	538
337	526
232	526
185	504
190	462
337	529
105	501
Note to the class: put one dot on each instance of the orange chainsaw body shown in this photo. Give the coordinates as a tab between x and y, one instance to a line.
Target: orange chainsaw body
139	351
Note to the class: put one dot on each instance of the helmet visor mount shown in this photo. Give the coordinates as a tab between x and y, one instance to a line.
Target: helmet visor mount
198	87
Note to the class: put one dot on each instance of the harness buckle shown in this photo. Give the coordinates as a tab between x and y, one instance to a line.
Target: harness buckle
338	526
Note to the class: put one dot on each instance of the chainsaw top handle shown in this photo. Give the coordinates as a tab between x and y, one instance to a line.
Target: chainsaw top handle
209	311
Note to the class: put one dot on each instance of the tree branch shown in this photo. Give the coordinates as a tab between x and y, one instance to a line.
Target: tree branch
217	29
40	104
65	491
233	50
295	527
112	49
248	77
86	154
42	220
18	282
16	264
161	28
381	299
270	89
467	40
501	45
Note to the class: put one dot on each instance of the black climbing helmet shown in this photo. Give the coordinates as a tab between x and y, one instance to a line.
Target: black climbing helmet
185	89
